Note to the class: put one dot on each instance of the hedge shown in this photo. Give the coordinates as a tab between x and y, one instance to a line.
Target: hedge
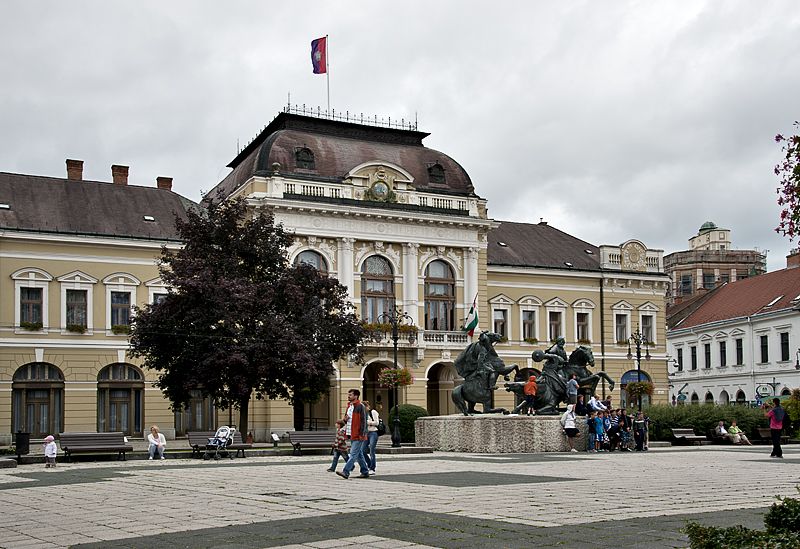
702	418
408	415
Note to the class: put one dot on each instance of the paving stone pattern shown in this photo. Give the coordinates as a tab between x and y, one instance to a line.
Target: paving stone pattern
439	500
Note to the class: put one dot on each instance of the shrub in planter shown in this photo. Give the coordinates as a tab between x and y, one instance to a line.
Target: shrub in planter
408	415
531	340
31	326
120	329
76	328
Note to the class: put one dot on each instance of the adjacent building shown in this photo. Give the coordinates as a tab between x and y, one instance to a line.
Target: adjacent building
739	342
710	261
398	223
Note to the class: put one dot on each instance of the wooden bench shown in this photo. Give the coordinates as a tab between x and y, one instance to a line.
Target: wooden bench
766	435
717	439
87	443
310	439
685	436
199	439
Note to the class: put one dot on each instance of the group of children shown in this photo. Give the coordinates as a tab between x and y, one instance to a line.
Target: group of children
615	430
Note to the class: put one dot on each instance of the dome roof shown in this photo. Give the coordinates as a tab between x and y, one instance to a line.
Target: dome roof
336	148
707	226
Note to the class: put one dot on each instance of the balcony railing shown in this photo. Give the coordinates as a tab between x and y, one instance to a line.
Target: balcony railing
420	338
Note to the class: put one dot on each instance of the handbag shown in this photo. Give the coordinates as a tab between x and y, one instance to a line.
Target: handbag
381	428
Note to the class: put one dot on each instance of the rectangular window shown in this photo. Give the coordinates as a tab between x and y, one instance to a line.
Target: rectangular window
30	304
739	352
77	308
120	308
528	325
158	298
680	360
784	346
708	281
723	353
554	323
724	278
686	284
582	321
707	355
764	349
621	328
693	350
500	322
647	328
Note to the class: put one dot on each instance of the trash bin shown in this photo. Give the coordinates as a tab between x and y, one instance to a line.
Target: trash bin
23	443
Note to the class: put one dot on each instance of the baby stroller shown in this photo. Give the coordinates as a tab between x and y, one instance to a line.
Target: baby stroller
217	446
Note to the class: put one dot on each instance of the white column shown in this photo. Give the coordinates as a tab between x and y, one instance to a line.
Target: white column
471	280
411	280
346	266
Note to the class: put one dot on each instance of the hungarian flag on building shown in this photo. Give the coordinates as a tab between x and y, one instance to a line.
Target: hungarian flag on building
471	322
319	57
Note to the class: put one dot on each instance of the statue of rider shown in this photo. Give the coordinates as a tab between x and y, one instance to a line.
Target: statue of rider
556	358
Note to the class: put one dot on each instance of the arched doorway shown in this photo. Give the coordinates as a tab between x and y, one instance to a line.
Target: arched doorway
38	399
120	399
442	379
741	399
786	392
632	376
709	398
381	398
695	399
724	398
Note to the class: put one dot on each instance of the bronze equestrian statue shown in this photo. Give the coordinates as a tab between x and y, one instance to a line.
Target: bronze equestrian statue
480	366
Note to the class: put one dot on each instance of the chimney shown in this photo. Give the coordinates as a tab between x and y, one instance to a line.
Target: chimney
164	183
119	174
75	170
793	259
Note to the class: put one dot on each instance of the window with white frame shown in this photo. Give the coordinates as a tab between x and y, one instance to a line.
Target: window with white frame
555	324
77	291
120	298
31	299
647	321
647	328
723	353
157	290
583	321
529	318
621	327
529	326
764	340
501	315
500	322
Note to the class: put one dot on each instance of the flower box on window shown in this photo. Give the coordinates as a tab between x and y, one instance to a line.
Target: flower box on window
76	328
531	340
31	326
120	329
584	342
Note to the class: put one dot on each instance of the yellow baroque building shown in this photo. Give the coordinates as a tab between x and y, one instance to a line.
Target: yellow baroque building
399	224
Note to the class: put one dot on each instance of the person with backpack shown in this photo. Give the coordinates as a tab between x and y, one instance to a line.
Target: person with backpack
373	423
776	416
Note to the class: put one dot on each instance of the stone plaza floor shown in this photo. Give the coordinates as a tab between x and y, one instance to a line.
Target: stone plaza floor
425	500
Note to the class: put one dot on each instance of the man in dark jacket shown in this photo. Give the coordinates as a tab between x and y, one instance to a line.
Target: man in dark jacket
356	428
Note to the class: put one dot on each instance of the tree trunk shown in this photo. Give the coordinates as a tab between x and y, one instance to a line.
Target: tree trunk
244	407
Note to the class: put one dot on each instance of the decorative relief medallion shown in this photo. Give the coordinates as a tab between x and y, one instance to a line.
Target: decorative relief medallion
633	256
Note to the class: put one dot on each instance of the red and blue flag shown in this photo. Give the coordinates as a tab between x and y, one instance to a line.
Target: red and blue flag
319	55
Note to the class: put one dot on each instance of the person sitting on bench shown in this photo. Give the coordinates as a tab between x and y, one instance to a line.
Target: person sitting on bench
722	432
738	435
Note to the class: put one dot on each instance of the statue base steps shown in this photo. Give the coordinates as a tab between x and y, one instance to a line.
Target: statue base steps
496	434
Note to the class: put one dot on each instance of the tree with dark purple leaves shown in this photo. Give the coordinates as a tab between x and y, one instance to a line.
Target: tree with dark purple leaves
788	170
240	321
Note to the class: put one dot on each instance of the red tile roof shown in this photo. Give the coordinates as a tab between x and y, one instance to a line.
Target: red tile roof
748	297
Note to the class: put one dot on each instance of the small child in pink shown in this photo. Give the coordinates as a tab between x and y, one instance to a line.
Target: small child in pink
50	451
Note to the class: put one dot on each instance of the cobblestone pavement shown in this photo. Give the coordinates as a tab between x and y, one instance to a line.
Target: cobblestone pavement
430	500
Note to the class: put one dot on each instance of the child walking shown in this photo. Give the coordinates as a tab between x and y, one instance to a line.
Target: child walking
50	451
339	445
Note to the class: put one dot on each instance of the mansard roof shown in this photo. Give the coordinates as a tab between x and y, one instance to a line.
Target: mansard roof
540	245
337	147
766	293
89	208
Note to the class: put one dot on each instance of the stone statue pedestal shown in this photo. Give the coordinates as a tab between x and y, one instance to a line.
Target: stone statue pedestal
496	434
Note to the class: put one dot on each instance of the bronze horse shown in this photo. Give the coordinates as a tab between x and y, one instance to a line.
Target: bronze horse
480	366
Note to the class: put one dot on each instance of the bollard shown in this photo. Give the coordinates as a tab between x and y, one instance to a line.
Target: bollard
22	444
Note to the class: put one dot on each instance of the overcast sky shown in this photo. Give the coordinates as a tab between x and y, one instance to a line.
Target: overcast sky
611	120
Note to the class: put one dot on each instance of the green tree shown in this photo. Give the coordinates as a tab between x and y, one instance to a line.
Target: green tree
788	171
239	320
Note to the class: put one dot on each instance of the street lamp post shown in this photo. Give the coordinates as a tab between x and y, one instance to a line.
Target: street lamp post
395	319
638	339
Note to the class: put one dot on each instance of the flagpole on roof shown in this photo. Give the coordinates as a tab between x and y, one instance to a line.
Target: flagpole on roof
328	71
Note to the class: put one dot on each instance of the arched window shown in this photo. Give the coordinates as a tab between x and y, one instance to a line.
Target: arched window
695	399
120	399
377	288
436	174
312	258
38	399
440	297
724	398
709	398
199	415
786	392
740	397
304	158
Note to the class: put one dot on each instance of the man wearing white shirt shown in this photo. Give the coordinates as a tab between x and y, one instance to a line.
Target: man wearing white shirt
595	404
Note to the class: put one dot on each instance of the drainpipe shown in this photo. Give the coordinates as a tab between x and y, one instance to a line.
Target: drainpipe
602	335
